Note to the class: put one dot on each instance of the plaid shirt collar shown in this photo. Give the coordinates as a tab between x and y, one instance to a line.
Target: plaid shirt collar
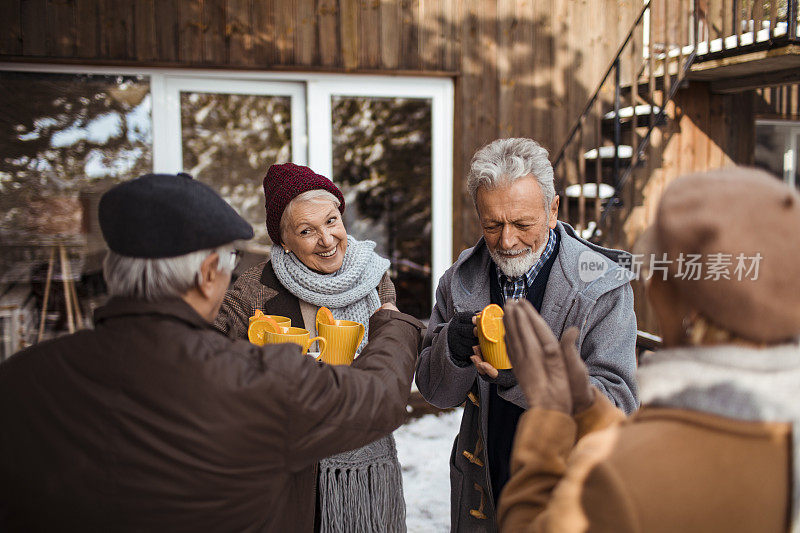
517	288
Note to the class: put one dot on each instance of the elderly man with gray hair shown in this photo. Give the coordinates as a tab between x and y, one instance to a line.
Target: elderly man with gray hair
525	253
154	421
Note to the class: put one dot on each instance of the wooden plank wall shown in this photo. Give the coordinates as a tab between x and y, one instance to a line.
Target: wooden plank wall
707	131
781	102
521	67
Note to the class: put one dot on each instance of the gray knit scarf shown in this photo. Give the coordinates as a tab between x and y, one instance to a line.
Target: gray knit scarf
360	490
731	381
350	292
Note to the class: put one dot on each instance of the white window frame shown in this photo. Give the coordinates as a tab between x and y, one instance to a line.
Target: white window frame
791	130
170	154
311	131
440	93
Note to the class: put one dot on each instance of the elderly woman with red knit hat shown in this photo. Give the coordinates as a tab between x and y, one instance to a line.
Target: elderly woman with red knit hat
715	444
315	263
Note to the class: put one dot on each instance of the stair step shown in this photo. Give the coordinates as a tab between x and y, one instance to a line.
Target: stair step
589	231
627	112
589	191
607	152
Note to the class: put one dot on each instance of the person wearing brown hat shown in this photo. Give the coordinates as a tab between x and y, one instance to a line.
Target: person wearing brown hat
714	447
153	420
315	263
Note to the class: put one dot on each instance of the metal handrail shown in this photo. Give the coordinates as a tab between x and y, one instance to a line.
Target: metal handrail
791	34
637	155
654	73
648	65
596	93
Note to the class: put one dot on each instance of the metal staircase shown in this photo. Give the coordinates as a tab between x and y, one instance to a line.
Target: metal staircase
733	44
609	140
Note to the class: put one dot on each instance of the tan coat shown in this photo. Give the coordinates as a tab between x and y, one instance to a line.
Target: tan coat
663	469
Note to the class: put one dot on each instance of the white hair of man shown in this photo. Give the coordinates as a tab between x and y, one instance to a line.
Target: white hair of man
507	160
503	162
153	280
319	196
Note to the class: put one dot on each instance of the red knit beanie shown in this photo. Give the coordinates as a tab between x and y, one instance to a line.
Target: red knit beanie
285	181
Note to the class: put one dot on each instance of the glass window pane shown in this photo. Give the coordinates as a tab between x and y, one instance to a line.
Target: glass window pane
770	148
64	140
61	134
382	162
229	141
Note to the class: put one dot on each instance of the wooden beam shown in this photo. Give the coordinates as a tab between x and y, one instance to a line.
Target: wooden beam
179	65
708	70
756	81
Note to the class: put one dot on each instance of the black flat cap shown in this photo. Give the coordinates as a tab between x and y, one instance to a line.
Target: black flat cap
167	215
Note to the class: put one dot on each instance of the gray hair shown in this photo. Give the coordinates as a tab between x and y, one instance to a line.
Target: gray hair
507	160
314	195
153	280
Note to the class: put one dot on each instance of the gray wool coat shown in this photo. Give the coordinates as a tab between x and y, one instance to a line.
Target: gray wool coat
603	311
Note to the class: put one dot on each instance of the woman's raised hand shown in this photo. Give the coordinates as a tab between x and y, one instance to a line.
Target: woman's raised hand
550	373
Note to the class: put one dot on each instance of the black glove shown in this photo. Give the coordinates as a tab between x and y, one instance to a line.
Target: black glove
505	378
461	339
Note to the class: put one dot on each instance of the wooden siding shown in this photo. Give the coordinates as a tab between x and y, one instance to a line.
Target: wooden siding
781	103
521	67
706	131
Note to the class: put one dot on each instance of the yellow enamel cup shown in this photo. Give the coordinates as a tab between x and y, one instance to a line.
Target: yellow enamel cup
344	338
492	336
281	320
299	336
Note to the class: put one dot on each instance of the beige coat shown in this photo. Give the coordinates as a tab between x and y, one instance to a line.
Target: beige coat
663	469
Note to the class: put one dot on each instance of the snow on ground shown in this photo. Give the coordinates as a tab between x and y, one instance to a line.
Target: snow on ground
423	447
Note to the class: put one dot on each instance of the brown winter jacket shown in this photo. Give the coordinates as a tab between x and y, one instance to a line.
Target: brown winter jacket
662	470
156	422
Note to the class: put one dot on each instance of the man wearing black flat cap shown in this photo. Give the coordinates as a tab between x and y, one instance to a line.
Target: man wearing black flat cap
153	421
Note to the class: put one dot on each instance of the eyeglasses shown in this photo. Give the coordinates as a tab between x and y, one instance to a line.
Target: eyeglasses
233	258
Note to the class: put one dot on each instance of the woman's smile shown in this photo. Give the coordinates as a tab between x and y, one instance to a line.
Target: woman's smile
329	253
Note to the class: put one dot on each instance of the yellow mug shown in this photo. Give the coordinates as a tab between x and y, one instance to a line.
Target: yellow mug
344	337
492	337
280	320
298	336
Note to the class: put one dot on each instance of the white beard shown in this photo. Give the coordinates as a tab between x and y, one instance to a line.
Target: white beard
519	263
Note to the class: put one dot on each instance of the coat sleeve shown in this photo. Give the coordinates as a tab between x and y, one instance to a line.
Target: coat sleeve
608	347
331	409
552	479
237	307
440	381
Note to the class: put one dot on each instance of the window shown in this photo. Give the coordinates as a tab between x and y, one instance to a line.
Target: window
62	135
70	133
777	143
382	162
226	134
373	130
